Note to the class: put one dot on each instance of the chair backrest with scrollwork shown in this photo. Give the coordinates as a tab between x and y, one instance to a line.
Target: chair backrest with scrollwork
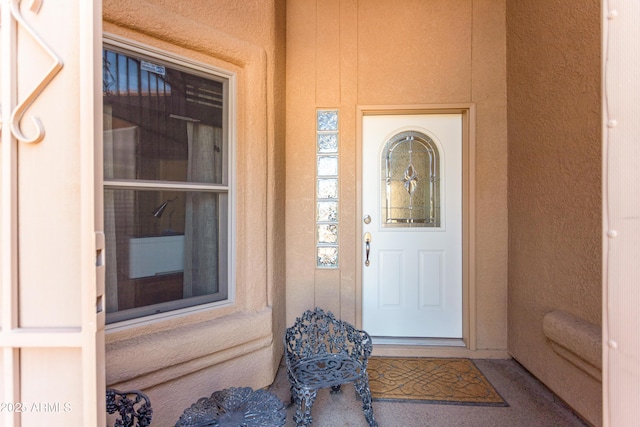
318	332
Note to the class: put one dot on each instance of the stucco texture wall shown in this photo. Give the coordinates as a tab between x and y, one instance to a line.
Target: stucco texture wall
554	119
347	53
177	360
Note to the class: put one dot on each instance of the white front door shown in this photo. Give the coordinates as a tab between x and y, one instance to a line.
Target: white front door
412	220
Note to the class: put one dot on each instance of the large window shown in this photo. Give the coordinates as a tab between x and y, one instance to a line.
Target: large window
168	185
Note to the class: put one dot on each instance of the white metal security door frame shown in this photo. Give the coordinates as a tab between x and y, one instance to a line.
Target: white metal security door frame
468	208
52	272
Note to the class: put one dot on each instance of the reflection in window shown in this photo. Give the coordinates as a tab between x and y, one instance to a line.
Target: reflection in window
410	181
167	185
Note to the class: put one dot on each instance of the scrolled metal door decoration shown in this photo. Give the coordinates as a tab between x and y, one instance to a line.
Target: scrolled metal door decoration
19	111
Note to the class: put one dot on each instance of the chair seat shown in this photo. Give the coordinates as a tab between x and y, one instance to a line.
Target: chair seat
326	370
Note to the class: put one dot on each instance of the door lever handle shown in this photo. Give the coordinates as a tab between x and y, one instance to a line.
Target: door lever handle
367	247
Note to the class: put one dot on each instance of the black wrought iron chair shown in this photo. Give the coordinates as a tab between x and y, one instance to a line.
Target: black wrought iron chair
133	408
322	351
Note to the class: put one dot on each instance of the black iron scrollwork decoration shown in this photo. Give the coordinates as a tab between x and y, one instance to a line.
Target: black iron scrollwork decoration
235	406
133	408
322	351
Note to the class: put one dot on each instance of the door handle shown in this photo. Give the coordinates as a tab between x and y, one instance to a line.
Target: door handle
367	247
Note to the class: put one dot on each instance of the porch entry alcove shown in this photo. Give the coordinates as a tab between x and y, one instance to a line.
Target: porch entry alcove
416	216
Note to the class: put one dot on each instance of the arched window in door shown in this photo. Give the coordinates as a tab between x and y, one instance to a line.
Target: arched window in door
410	181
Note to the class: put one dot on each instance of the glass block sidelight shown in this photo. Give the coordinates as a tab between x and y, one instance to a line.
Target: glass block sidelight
328	233
328	142
328	256
327	165
327	212
327	120
327	188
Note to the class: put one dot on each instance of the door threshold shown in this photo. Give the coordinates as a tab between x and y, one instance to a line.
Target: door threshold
433	342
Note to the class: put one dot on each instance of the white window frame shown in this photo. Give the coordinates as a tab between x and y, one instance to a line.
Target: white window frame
229	132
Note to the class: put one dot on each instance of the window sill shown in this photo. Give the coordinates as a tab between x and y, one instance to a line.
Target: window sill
185	348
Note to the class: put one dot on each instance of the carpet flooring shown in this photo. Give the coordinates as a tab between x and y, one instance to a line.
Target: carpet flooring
436	380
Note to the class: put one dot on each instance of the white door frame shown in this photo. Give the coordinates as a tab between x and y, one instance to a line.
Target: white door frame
468	203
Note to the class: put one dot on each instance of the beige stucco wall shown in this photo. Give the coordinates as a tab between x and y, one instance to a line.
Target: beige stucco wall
346	53
554	118
177	360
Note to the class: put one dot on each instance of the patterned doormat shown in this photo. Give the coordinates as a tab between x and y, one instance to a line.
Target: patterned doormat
434	380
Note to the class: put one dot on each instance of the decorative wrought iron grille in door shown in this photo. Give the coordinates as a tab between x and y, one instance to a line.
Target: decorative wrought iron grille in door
410	181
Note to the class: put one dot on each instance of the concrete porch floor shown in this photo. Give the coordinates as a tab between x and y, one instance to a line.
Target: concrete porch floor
530	404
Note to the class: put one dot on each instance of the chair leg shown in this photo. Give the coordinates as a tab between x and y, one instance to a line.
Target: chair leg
362	387
304	398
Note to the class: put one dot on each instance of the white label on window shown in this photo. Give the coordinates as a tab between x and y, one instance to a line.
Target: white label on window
153	68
